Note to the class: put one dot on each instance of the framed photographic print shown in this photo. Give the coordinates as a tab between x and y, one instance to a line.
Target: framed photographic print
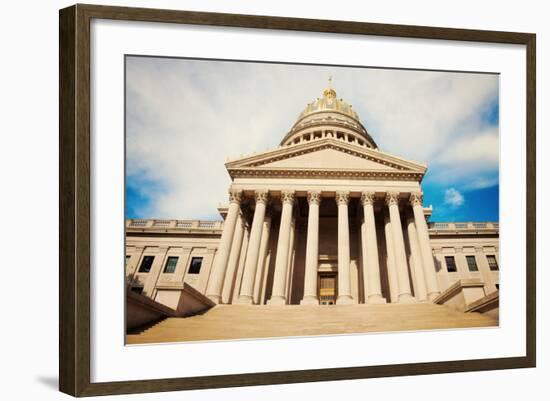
250	200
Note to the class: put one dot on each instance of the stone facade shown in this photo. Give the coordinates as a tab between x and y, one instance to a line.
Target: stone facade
325	218
188	239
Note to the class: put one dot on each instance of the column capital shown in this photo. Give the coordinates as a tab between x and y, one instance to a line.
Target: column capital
416	199
367	198
342	197
262	196
287	196
392	198
314	197
235	196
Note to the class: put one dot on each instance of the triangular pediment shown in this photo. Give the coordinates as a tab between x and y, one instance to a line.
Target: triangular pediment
326	157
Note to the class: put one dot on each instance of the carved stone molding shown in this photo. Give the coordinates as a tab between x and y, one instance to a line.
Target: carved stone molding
287	197
367	198
258	172
261	196
392	198
235	196
342	197
314	197
416	199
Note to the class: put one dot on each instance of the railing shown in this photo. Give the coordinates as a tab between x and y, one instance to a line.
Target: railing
175	224
184	224
138	223
466	226
161	223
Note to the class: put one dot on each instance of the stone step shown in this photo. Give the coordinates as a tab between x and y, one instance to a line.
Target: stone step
224	322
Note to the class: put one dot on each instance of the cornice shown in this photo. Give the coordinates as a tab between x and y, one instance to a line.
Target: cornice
251	172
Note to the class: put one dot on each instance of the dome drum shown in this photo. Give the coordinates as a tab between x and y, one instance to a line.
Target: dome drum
327	132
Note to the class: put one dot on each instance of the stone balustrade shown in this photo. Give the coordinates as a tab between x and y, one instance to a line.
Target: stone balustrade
462	227
174	225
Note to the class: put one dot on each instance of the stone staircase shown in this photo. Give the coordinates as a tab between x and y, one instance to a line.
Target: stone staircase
224	322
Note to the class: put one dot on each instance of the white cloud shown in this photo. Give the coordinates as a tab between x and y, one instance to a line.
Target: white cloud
453	197
186	117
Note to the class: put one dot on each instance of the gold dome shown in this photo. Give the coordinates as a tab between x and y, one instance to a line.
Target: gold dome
328	114
329	102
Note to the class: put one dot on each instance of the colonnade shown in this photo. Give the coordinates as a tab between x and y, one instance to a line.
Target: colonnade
422	266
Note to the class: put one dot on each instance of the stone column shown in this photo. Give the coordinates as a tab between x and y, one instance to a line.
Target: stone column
181	268
400	257
261	269
290	263
312	250
234	293
133	263
390	260
442	274
206	269
485	270
253	252
344	284
281	259
461	263
425	248
149	288
419	279
369	246
234	256
214	288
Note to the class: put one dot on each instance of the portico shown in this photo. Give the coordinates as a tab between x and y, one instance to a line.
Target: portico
360	268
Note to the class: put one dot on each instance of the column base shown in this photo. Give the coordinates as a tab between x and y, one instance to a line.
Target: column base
244	300
217	299
344	300
406	299
376	300
277	300
432	296
309	300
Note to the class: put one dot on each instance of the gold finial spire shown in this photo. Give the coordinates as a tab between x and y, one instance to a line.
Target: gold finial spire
329	92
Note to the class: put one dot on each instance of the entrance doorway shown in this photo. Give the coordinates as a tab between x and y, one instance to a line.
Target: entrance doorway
327	288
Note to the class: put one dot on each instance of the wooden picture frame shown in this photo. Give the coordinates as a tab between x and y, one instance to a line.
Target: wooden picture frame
74	203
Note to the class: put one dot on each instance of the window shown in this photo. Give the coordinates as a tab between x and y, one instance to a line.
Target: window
493	264
472	265
450	262
146	264
170	266
127	259
195	266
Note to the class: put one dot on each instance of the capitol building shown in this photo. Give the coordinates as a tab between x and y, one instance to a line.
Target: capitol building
325	220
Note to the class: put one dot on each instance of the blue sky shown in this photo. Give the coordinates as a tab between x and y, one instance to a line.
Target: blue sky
199	113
